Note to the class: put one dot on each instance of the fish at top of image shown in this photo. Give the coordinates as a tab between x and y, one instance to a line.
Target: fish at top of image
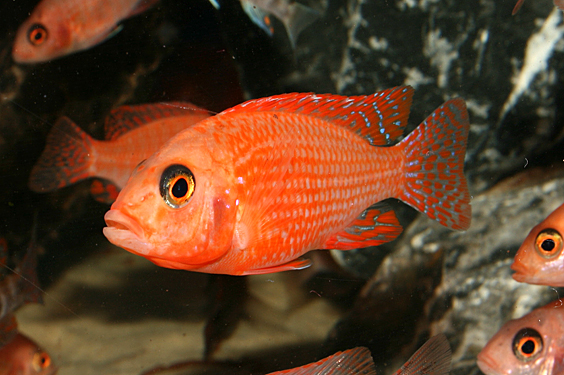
540	259
295	16
132	133
250	190
531	345
57	28
557	3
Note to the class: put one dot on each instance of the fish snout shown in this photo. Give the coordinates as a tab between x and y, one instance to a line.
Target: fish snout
521	271
124	231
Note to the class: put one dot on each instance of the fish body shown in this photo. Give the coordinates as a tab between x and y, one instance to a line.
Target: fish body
531	345
133	133
251	189
57	28
557	3
295	16
540	259
434	357
22	356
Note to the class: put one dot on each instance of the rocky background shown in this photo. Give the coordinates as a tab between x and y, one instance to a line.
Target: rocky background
508	68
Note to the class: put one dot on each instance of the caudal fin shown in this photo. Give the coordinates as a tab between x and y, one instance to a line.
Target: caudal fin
65	160
302	17
434	180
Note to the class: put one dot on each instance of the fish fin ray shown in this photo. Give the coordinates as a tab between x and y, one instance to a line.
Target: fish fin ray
376	225
517	7
434	357
65	159
296	264
104	191
128	117
379	118
303	16
352	361
434	180
142	6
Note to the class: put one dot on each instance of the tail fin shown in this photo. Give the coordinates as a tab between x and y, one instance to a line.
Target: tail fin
434	180
302	17
434	357
65	160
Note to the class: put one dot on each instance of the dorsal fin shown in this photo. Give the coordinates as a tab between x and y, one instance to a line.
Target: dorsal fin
129	117
380	118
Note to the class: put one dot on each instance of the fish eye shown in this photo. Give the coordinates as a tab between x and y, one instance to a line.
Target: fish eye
527	344
177	185
548	243
37	34
40	361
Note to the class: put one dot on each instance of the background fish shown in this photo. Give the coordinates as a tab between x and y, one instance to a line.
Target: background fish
540	259
22	356
133	133
531	345
250	190
57	28
295	16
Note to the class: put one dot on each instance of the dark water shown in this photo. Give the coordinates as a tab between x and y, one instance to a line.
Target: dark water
110	312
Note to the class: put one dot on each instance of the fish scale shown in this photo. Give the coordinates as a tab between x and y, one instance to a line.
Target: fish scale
279	176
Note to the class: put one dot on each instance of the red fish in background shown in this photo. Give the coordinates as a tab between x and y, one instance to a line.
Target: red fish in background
57	28
531	345
21	356
557	3
251	189
132	134
540	259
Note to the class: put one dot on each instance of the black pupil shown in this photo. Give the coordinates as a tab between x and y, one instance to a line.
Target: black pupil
38	35
548	245
180	188
528	347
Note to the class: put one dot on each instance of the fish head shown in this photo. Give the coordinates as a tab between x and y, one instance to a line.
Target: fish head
23	356
529	345
178	208
540	259
42	37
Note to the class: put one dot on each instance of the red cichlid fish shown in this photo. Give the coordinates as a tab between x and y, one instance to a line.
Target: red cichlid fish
557	3
133	133
540	260
434	357
251	189
21	356
531	345
57	28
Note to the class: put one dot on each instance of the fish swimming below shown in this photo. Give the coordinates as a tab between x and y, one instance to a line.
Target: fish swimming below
250	190
57	28
531	345
540	258
132	134
22	356
557	3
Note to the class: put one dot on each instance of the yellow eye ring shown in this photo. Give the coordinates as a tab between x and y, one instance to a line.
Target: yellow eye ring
549	243
527	344
177	185
37	34
40	361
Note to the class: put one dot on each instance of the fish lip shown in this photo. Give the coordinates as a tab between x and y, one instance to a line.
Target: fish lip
124	231
520	274
487	364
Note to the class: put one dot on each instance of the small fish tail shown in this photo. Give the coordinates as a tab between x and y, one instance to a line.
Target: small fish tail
65	159
434	165
302	17
434	357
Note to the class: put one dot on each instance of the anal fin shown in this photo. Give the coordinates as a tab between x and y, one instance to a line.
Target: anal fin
376	225
296	264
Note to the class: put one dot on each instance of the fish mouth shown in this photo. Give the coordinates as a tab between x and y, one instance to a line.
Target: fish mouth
487	365
520	271
124	231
